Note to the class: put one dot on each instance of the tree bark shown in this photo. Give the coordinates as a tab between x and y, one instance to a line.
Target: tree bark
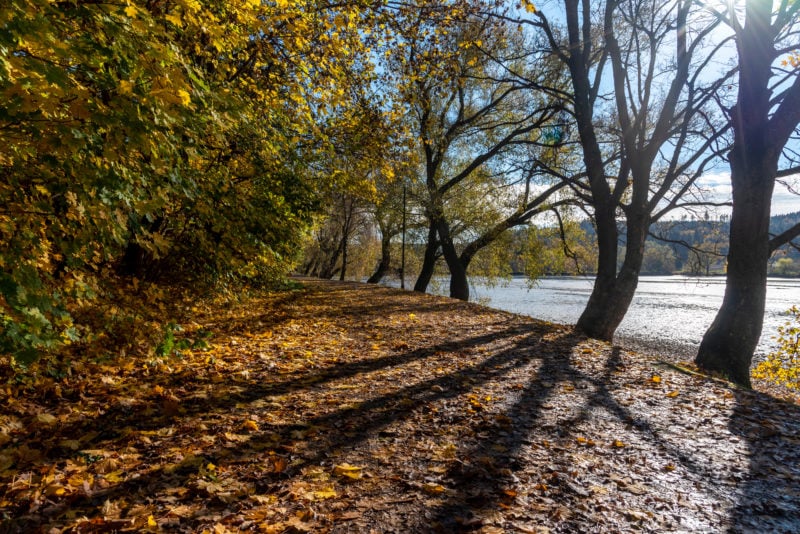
429	261
386	259
728	345
459	284
613	292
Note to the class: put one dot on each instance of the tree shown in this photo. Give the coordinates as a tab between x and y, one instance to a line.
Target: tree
157	139
785	267
468	115
764	118
560	249
658	259
644	151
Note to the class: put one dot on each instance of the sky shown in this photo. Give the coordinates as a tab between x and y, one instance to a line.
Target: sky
717	183
783	200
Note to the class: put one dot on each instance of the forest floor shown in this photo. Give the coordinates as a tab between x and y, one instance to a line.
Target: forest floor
349	408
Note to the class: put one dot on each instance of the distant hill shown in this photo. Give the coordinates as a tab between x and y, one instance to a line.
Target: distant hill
700	245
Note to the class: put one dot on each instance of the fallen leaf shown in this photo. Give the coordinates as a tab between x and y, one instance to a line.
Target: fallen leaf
325	493
46	418
55	490
433	489
347	471
250	425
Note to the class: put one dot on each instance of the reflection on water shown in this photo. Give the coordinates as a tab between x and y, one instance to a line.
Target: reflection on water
667	312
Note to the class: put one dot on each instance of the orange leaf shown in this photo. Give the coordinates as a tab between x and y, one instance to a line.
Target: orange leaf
250	425
433	489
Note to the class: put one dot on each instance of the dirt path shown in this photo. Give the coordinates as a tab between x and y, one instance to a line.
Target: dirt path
349	408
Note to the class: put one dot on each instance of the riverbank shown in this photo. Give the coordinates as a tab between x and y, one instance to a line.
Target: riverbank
345	407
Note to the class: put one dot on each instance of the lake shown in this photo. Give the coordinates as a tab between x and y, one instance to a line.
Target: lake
668	312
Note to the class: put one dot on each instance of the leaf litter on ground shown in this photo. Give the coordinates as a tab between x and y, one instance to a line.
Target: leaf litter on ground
345	407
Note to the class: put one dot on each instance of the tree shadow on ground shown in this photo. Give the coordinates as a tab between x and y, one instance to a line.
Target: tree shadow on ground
485	483
531	442
344	427
770	490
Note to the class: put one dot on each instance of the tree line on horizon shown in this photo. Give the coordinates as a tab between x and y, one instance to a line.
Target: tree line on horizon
208	144
688	246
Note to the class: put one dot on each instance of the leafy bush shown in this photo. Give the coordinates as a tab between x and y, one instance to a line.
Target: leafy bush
783	365
136	140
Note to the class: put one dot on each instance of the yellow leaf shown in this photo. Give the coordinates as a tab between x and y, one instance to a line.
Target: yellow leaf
528	5
46	418
184	97
250	425
125	87
433	489
151	522
655	379
325	493
115	477
77	480
131	11
618	444
174	19
347	471
672	394
55	490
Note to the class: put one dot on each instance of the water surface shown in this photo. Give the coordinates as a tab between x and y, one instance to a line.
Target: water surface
668	313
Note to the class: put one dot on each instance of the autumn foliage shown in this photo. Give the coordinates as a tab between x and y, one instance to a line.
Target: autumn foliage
156	139
782	366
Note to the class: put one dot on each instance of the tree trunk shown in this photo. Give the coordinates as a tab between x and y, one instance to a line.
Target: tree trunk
613	292
429	261
729	343
386	258
344	258
328	269
459	284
